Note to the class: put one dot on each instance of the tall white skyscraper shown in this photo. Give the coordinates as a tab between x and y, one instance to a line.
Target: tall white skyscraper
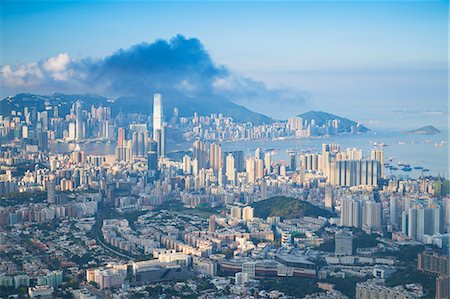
157	113
78	121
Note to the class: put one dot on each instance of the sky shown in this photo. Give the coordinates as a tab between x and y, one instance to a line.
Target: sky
387	57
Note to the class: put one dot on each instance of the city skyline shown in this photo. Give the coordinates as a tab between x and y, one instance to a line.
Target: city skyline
209	149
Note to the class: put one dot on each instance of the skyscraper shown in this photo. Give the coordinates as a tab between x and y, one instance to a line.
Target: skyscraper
200	153
121	137
215	156
78	121
158	115
230	170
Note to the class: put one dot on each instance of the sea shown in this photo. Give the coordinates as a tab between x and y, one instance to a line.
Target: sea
423	151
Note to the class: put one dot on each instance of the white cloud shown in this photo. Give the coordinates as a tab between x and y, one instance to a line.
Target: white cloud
58	67
24	75
57	63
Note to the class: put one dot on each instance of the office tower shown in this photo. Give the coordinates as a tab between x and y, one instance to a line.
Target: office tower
212	223
158	114
215	156
236	212
343	241
250	170
351	213
121	137
371	215
378	155
268	163
200	152
247	213
230	170
187	164
329	200
78	121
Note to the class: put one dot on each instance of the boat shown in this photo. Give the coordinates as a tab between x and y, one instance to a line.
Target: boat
418	167
406	168
403	164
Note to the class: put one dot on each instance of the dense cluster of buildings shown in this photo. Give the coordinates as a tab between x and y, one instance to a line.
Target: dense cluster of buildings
196	211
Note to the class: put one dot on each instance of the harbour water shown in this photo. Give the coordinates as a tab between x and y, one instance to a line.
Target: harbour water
427	151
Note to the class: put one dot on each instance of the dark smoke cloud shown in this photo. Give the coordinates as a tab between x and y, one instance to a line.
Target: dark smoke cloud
179	67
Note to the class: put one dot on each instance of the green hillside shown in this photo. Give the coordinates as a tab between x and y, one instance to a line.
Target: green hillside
287	207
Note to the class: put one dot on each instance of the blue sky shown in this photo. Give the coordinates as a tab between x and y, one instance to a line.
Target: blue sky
346	54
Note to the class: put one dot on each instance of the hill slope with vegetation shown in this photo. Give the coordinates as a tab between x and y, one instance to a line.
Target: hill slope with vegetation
287	208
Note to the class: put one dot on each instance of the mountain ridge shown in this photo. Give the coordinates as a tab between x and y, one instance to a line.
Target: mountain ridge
186	105
321	118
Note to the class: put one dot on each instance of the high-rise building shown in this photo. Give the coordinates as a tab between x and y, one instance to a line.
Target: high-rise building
343	241
187	164
378	155
250	166
51	191
329	200
247	213
422	220
230	170
152	166
393	214
354	173
79	121
351	213
215	156
259	154
200	153
371	216
160	138
158	113
268	163
238	159
236	212
212	223
292	161
121	137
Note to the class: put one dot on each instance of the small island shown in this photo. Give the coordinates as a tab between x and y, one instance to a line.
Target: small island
426	130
